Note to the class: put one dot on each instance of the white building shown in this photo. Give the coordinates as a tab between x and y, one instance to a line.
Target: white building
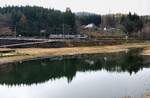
90	26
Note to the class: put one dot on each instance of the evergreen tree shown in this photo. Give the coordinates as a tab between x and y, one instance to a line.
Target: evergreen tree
132	23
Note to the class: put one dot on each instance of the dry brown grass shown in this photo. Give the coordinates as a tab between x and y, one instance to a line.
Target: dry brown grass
146	96
146	51
100	35
46	52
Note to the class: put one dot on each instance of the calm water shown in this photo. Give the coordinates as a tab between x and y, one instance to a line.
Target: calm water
82	76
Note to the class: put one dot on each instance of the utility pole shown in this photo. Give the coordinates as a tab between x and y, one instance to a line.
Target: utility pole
63	31
15	31
63	28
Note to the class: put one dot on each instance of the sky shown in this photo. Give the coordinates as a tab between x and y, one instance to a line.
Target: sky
141	7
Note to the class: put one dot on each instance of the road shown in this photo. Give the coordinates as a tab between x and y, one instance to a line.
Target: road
30	41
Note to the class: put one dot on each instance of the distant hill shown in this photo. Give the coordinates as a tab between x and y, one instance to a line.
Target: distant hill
84	14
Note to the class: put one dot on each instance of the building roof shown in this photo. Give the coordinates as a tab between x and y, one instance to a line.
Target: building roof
91	25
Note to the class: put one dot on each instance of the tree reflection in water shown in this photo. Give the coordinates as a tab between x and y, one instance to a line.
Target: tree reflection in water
38	71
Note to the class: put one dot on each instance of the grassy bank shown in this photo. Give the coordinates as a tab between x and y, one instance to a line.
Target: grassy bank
50	52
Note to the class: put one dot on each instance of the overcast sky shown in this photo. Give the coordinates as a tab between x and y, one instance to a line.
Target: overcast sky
141	7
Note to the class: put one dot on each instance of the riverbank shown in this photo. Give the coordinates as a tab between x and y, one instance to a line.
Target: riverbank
33	53
146	52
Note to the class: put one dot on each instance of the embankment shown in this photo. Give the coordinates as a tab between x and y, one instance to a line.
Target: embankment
34	53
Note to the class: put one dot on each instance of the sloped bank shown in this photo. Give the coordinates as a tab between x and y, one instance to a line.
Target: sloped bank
34	53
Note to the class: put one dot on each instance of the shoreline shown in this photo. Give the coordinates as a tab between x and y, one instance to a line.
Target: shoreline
39	53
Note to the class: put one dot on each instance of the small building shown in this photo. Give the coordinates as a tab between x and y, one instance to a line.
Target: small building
90	26
42	31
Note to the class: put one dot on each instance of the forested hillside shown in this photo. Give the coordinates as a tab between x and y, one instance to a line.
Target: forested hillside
35	21
39	21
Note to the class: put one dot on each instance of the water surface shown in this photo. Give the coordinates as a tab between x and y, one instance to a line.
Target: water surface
81	76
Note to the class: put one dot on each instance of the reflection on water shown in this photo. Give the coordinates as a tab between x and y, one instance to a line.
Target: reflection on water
50	70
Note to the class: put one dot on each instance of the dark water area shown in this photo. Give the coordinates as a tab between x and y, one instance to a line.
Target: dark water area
80	76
